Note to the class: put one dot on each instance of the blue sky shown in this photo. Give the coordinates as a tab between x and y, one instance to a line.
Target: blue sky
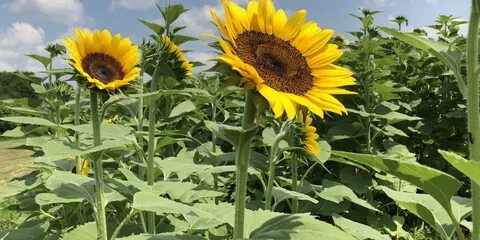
27	26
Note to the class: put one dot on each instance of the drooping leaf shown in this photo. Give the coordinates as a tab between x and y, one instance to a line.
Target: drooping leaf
470	168
281	194
183	107
336	192
29	120
87	231
298	227
162	237
439	185
358	230
150	202
425	207
41	59
31	230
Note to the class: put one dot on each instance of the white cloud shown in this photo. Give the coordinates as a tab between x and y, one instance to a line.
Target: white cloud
68	12
17	40
202	57
131	4
4	66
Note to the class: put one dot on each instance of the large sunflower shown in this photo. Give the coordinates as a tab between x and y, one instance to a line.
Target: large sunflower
106	62
289	61
310	138
180	57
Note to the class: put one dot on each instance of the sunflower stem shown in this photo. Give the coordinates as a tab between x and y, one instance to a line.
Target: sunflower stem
152	106
76	117
294	166
271	168
242	160
473	109
99	184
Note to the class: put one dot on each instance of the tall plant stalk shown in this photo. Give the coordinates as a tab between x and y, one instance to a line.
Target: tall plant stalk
271	169
76	117
152	106
473	109
97	162
294	166
242	160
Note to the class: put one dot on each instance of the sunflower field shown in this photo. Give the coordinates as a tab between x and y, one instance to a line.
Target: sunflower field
294	133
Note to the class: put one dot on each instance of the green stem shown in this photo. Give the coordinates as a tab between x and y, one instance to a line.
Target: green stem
294	166
242	160
271	169
120	226
76	120
99	184
473	109
152	106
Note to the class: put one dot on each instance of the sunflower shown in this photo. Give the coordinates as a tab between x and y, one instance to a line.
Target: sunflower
289	61
310	138
106	62
174	49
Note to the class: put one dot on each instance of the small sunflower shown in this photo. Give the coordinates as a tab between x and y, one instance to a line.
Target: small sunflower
106	62
174	49
310	141
290	62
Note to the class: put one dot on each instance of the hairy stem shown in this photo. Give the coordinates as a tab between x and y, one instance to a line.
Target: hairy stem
242	160
152	106
473	109
271	169
99	184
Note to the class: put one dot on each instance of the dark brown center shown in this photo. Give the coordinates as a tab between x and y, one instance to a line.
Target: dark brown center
102	67
280	64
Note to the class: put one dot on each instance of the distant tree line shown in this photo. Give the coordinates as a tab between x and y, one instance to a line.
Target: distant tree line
13	86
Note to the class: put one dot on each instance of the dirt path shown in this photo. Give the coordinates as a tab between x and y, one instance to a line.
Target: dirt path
13	161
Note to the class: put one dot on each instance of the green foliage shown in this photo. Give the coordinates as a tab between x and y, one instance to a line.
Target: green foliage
379	174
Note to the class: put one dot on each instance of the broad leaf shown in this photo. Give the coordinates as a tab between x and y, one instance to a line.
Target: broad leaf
298	227
146	201
438	184
87	231
470	168
281	194
358	230
336	192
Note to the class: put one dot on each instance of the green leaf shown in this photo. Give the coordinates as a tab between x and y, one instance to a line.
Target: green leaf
179	39
18	186
30	120
50	198
360	231
426	208
71	186
31	230
185	192
184	107
43	60
336	192
439	49
88	231
470	168
63	150
298	227
159	30
438	184
228	133
162	237
281	194
172	12
207	216
146	201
